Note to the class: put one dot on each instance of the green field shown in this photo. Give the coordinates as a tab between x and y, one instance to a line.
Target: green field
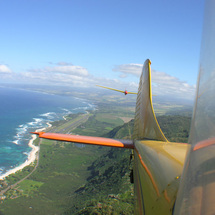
63	168
84	180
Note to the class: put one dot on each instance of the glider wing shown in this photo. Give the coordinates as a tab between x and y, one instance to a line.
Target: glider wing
101	141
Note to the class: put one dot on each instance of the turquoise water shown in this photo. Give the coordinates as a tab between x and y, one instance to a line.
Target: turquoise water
23	111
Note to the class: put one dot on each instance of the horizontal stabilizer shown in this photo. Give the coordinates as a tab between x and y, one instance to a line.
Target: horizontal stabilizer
121	91
101	141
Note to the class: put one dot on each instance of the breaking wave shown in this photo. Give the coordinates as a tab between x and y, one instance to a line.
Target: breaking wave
22	132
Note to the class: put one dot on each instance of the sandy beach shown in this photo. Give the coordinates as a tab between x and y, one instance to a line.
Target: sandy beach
31	157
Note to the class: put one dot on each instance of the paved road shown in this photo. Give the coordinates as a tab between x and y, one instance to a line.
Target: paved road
71	126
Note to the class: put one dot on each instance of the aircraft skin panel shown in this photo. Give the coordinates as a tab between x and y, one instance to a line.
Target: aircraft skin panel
146	125
157	171
87	140
197	188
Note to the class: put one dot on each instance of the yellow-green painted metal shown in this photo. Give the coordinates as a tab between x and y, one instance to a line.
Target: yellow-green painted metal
158	163
109	88
146	125
157	169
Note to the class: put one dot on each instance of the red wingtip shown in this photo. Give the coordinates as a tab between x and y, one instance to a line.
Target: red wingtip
37	133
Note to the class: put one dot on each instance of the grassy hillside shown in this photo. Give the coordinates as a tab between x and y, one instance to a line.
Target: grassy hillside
88	180
108	187
175	128
109	182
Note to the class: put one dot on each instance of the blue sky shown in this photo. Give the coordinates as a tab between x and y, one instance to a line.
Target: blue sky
88	42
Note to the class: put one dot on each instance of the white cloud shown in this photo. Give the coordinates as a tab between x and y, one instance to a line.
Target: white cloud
62	73
5	69
162	83
167	84
46	77
68	69
64	69
67	74
134	69
63	63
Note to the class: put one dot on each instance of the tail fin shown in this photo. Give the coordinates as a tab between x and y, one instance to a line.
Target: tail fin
146	125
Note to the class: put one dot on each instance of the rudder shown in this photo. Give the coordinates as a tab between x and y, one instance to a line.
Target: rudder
146	125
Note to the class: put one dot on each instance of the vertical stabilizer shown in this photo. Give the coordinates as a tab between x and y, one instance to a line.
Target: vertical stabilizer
146	125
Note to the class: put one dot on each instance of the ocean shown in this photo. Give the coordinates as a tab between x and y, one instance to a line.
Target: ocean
23	111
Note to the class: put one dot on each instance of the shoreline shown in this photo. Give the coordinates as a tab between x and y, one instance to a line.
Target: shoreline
31	157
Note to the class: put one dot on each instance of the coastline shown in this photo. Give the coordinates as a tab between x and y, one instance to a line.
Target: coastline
31	157
51	112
